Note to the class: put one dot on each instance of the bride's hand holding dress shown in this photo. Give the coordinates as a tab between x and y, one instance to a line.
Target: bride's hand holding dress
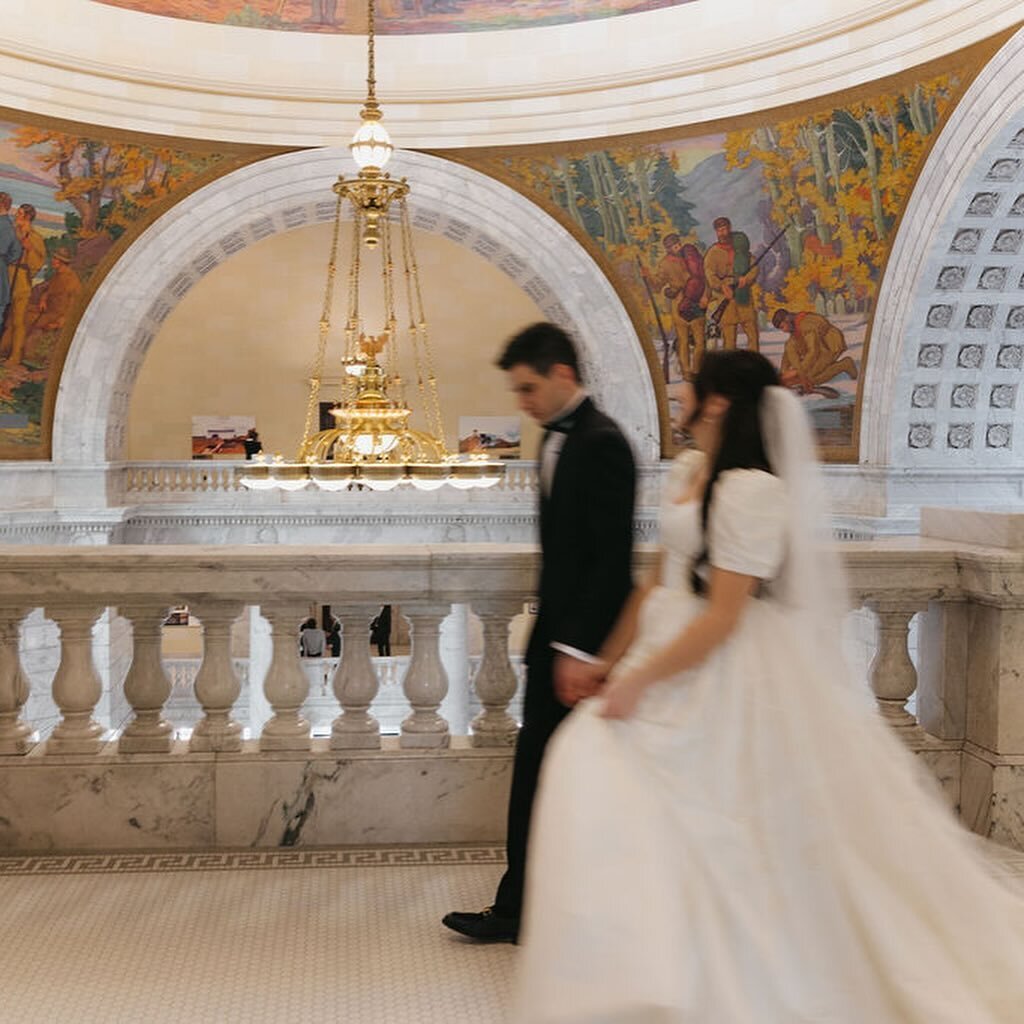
728	593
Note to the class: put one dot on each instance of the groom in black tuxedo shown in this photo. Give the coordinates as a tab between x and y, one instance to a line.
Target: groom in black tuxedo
587	484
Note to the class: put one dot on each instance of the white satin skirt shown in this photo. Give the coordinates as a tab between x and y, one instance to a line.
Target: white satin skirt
755	847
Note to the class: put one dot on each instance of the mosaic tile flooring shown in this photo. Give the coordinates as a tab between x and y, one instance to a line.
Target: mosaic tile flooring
296	937
256	937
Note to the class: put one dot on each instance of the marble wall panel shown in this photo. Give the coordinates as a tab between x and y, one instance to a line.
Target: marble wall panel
992	799
456	796
391	796
1007	822
106	803
995	708
942	669
253	799
976	793
944	763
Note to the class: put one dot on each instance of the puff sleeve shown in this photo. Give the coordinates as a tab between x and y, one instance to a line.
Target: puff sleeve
747	523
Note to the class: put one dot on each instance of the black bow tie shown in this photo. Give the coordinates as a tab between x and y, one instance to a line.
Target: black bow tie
562	426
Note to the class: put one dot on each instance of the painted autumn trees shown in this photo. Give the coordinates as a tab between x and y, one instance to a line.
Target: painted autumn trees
88	192
108	184
837	182
834	181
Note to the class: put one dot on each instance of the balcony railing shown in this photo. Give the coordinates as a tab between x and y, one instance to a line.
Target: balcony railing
960	699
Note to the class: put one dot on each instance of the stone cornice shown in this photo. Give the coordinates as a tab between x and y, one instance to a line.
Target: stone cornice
105	66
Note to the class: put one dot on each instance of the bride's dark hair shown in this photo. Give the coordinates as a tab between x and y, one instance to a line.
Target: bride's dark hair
741	376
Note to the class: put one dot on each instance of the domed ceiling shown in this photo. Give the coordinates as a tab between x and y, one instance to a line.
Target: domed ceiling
395	17
598	73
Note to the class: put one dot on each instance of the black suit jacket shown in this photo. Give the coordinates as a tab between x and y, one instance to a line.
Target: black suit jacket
586	537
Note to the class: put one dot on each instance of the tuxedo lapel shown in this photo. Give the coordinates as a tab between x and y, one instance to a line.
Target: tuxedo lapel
564	459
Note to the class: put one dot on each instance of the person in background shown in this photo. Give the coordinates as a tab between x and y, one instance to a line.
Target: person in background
311	639
252	444
380	631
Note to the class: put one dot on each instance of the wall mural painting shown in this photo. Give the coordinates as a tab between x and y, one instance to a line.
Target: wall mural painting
394	17
70	199
772	236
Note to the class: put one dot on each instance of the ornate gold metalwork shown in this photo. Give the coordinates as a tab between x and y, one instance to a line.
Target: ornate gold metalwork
371	441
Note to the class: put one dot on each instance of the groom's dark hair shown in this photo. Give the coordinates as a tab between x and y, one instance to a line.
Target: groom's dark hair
540	346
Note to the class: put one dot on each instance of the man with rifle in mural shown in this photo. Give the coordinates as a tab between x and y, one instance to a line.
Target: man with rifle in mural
730	274
680	276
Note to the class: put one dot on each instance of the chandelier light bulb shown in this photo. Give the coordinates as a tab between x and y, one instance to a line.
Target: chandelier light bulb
371	146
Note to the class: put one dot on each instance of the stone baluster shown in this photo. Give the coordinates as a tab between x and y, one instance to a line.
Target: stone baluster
15	735
77	687
355	681
217	685
892	673
146	687
495	679
286	686
426	681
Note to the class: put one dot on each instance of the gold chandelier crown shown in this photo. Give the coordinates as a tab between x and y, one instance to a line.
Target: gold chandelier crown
371	442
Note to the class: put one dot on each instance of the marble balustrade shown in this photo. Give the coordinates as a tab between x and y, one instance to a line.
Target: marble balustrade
957	699
389	706
158	481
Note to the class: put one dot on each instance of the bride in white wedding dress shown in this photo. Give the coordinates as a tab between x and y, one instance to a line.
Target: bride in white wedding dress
729	833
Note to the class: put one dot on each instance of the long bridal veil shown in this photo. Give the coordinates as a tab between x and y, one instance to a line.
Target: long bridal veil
811	582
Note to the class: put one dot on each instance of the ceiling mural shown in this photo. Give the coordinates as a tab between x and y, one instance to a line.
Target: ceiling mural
394	17
769	234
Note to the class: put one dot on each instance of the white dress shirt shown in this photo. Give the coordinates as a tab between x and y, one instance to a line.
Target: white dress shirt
554	441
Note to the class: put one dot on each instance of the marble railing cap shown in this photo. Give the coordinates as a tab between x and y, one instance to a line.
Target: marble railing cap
990	527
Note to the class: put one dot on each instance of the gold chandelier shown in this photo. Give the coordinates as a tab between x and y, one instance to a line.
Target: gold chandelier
371	442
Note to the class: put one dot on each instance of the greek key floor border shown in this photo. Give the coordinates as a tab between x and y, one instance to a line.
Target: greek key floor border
247	860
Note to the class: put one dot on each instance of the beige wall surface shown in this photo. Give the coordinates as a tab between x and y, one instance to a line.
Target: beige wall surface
242	342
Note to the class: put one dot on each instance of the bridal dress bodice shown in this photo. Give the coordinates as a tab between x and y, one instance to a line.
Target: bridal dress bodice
746	523
745	534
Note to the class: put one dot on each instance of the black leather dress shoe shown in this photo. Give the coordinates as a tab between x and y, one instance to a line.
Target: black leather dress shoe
484	926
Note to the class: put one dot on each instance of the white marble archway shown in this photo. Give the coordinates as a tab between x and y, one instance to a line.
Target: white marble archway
287	192
944	386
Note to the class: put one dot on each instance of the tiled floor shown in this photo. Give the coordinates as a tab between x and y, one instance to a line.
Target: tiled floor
274	937
301	937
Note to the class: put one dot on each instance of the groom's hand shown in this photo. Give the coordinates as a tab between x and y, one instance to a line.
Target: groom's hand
575	680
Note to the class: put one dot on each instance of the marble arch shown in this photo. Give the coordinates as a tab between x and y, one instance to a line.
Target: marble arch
286	192
944	385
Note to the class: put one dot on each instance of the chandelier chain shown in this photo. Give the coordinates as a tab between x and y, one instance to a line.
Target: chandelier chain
371	77
431	399
352	324
324	328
